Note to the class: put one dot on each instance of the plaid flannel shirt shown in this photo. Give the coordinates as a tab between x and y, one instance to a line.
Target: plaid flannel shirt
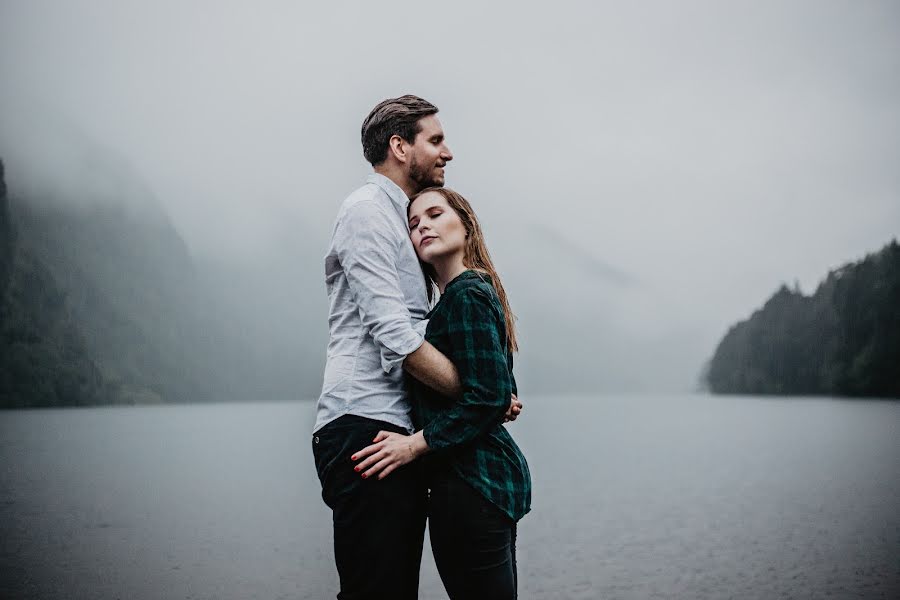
467	434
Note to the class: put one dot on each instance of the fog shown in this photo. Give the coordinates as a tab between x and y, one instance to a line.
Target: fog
646	174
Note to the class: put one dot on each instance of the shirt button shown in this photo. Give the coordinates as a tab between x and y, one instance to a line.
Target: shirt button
316	440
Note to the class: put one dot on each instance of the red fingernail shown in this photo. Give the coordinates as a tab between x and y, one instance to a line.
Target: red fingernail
364	475
356	469
353	457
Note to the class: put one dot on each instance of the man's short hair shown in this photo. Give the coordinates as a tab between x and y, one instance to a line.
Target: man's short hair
394	116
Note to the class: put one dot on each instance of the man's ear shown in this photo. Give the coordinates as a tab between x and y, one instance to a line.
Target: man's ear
397	146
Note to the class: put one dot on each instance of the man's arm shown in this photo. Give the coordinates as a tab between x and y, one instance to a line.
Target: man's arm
367	246
431	367
435	370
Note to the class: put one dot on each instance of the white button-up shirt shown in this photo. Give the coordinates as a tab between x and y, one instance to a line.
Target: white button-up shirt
378	305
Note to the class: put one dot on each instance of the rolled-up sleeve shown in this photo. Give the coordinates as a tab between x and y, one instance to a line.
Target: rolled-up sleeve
478	350
367	247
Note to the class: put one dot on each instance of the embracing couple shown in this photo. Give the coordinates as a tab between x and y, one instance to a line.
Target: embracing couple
409	424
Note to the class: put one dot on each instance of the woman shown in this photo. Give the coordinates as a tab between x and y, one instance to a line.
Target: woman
479	481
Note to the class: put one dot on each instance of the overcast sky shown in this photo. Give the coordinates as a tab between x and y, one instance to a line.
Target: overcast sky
700	153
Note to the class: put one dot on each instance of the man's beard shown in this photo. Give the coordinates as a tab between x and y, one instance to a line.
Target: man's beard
423	177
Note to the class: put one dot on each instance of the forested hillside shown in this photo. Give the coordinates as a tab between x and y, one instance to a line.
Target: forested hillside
100	302
43	357
842	340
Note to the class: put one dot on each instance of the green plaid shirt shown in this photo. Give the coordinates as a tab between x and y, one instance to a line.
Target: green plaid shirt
468	435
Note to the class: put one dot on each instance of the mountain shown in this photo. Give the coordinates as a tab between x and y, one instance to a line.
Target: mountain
43	356
842	340
101	302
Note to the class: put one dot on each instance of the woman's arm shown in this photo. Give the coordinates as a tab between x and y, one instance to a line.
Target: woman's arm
478	349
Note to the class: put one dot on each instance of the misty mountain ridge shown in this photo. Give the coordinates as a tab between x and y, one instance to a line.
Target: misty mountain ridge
102	303
43	357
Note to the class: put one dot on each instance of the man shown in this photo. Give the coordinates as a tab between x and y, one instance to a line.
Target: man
378	302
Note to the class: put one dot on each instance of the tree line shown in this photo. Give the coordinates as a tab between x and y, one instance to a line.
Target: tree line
842	340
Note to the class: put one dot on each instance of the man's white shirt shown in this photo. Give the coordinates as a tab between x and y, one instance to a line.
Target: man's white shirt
377	308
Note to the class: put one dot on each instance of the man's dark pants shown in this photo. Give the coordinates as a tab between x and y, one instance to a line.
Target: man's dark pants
379	526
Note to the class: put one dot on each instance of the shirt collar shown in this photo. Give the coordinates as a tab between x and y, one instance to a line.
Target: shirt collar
468	274
393	190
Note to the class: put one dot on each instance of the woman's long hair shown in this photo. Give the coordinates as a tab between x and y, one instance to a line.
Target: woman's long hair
475	257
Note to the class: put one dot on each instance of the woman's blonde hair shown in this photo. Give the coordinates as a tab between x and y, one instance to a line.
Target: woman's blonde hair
475	257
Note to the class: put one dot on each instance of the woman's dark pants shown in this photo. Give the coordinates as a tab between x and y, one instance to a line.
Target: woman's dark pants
379	526
473	541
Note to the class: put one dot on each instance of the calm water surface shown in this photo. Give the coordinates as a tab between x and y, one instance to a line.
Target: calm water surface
635	497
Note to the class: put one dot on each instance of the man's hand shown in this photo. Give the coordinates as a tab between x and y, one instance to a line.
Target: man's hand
389	451
515	409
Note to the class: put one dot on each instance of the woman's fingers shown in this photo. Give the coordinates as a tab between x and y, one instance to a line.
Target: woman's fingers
376	445
381	464
391	450
514	410
387	471
371	454
370	449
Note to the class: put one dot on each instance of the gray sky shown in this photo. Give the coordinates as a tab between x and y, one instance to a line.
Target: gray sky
666	164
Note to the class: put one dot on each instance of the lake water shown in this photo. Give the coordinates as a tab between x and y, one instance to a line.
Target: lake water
635	497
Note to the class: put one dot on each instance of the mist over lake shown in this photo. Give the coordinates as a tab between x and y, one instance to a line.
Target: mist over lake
636	496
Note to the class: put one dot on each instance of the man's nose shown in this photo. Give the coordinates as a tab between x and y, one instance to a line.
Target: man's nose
446	154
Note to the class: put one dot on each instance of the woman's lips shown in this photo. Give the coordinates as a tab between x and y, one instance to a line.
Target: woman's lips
426	240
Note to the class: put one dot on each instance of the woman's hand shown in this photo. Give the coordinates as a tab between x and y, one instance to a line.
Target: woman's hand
389	451
514	410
